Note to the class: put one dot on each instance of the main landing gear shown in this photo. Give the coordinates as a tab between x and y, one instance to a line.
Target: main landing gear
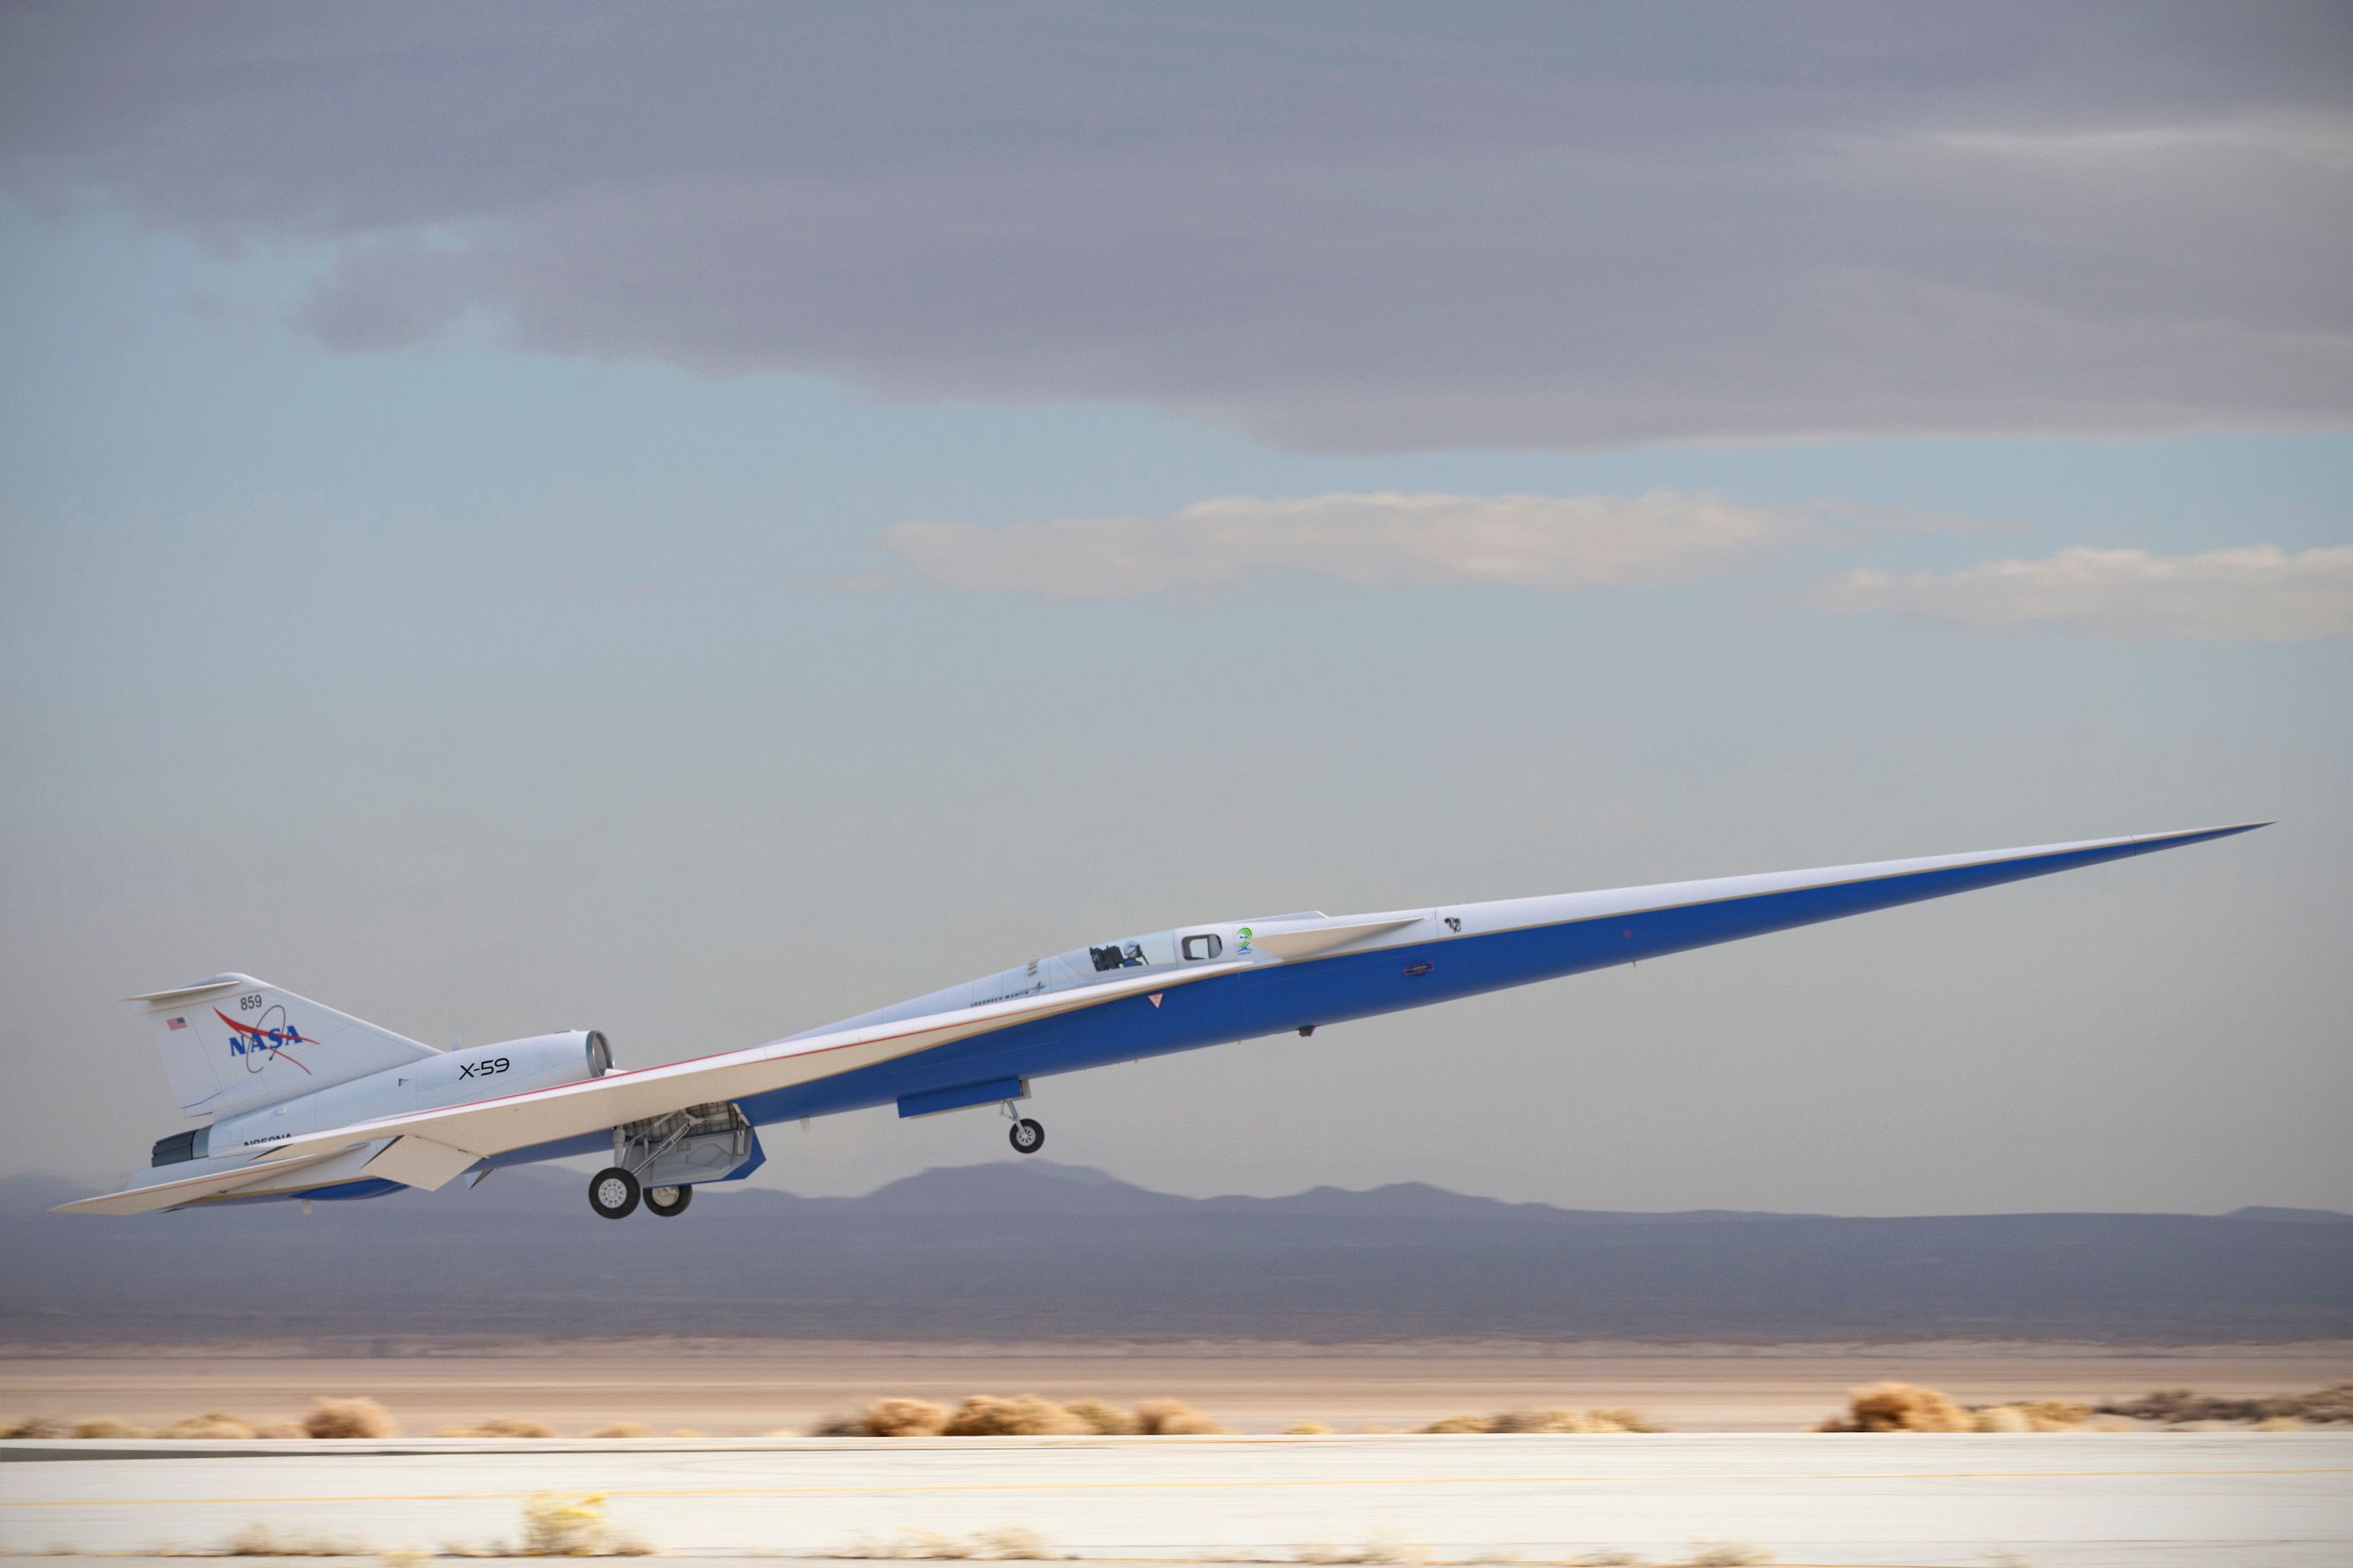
658	1161
615	1192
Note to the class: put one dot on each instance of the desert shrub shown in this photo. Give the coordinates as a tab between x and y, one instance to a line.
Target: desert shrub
1534	1419
1011	1543
1724	1555
2334	1403
684	1432
623	1429
911	1546
1384	1547
1306	1429
1023	1415
216	1425
1592	1421
887	1418
1106	1418
1907	1407
279	1431
1619	1419
1460	1424
500	1427
35	1427
264	1538
2034	1416
1546	1419
1900	1407
1173	1418
572	1524
355	1417
2167	1404
2057	1414
2178	1407
1006	1544
904	1418
107	1427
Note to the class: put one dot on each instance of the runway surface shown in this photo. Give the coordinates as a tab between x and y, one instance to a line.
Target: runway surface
2089	1500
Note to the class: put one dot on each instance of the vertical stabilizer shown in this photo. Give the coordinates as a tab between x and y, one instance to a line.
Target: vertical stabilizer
232	1042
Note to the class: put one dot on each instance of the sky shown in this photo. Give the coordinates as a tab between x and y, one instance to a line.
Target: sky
695	521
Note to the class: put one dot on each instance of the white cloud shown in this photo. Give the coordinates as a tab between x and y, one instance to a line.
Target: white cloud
2325	138
2258	594
1371	541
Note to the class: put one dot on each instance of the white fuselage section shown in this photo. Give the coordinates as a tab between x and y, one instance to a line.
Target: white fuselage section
1124	959
449	1077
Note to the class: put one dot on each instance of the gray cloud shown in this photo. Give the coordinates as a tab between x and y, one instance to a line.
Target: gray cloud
2257	593
1348	229
1386	540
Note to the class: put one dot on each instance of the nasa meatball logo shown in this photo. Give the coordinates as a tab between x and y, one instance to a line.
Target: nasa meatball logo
266	1037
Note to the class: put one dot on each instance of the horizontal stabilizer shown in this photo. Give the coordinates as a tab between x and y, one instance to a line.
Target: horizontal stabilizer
420	1162
193	1189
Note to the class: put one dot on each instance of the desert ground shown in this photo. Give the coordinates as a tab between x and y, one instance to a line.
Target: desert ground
2260	1500
750	1387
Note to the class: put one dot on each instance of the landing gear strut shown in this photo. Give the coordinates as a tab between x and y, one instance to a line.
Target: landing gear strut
613	1193
661	1158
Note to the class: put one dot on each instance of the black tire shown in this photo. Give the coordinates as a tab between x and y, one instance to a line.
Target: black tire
613	1193
668	1201
1027	1137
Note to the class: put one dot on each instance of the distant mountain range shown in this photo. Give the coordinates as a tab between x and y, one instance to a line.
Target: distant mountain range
1033	1250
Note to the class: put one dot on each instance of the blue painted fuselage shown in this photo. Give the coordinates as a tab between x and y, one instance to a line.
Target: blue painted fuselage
1488	947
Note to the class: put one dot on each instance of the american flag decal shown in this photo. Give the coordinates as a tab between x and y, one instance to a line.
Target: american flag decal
175	1023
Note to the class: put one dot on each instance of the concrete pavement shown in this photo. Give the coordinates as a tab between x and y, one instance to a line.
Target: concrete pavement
2069	1500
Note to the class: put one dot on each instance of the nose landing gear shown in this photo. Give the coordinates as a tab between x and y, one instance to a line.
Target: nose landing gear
1025	1136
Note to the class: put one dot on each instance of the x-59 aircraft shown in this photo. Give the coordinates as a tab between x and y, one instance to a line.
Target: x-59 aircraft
298	1101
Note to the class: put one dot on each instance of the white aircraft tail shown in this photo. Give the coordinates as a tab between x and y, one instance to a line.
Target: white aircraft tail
232	1042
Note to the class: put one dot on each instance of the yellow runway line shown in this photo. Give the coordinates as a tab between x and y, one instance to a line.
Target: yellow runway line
1679	1480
